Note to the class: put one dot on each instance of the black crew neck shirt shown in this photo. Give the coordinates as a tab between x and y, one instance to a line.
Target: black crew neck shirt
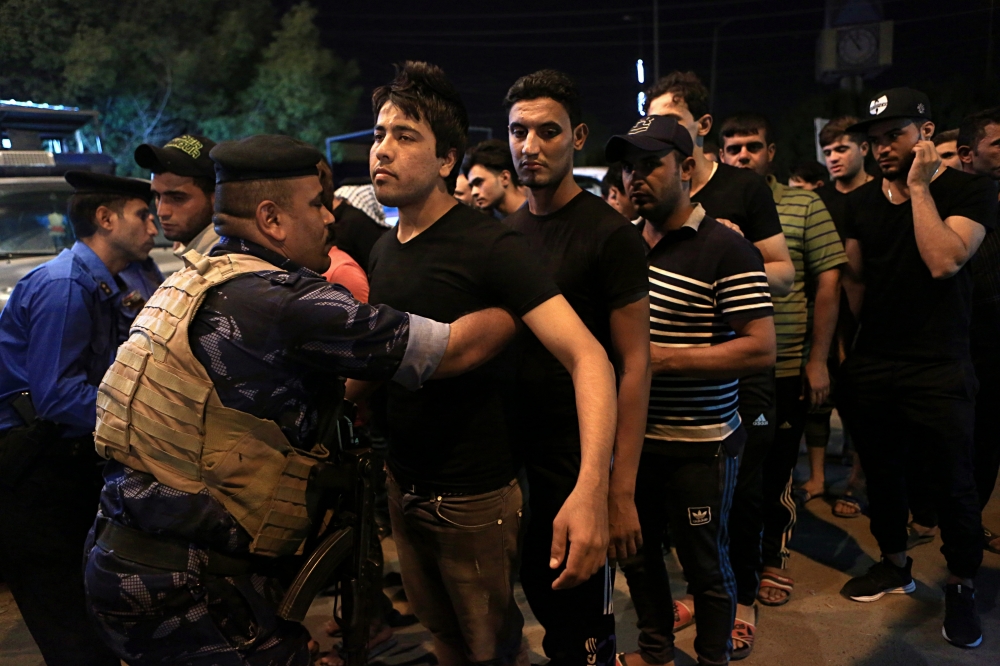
906	313
457	435
743	198
597	259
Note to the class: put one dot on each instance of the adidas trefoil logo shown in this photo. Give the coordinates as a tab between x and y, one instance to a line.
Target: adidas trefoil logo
785	426
760	421
699	515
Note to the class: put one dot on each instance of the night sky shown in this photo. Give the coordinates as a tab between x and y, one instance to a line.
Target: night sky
766	52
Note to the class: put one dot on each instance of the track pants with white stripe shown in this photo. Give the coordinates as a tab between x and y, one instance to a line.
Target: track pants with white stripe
691	495
579	622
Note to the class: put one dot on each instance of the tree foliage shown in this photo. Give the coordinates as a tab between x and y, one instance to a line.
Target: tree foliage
158	68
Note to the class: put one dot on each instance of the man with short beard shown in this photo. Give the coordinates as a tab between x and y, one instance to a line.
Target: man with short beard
712	323
456	483
596	259
910	380
979	149
492	178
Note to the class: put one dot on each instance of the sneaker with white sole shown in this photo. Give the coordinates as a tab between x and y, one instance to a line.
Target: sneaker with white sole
882	578
961	622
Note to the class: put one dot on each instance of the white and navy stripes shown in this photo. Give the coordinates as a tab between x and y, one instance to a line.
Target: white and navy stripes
701	277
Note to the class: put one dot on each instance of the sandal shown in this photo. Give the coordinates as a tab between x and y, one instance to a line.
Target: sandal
683	615
774	581
743	636
803	496
848	499
988	538
915	537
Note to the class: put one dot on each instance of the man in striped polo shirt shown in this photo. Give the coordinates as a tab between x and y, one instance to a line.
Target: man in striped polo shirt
805	331
711	323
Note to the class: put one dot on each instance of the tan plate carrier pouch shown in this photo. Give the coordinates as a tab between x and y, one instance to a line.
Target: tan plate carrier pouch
158	412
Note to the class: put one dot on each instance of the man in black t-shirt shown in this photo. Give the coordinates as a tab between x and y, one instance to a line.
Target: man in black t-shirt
979	150
455	488
742	200
597	260
911	386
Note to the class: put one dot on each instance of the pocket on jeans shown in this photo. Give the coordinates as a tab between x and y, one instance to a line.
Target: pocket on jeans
471	513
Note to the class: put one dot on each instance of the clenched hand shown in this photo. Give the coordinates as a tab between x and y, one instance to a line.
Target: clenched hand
581	527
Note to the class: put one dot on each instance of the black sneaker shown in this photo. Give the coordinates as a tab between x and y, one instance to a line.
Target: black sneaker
961	622
882	578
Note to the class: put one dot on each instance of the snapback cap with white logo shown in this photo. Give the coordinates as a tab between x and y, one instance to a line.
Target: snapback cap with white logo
895	103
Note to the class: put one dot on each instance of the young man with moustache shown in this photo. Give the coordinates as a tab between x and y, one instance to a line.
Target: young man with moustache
456	485
596	259
743	200
711	323
911	385
492	178
805	332
946	144
979	149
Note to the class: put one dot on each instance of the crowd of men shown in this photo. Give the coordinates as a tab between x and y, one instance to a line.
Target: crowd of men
567	385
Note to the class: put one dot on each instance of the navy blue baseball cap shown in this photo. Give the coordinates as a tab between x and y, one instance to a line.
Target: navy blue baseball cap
651	134
894	103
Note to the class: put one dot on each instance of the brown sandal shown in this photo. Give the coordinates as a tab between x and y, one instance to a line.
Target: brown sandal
777	582
743	636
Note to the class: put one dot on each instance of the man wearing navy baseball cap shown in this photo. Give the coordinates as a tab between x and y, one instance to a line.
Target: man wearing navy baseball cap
909	382
706	285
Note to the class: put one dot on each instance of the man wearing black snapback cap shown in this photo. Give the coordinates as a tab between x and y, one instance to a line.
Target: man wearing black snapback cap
58	335
909	378
183	182
711	323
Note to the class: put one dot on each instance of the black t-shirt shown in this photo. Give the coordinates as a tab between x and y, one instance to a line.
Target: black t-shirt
355	233
743	198
457	434
598	261
906	313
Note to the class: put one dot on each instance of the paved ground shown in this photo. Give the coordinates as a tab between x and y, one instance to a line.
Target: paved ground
817	626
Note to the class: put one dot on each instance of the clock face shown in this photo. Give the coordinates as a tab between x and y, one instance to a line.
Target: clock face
856	46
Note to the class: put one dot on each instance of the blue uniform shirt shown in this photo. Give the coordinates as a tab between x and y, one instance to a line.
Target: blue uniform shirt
58	335
141	279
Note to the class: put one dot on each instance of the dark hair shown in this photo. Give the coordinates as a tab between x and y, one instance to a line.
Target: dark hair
685	84
613	178
837	128
240	198
710	147
743	124
205	184
423	92
82	209
945	137
493	154
547	83
973	127
811	172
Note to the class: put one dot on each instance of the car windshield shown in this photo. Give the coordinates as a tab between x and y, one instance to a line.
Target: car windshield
34	222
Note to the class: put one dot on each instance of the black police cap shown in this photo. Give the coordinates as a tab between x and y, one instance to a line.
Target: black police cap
186	155
264	157
651	134
894	103
88	182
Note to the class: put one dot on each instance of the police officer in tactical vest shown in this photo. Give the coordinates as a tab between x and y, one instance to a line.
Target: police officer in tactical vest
209	416
58	335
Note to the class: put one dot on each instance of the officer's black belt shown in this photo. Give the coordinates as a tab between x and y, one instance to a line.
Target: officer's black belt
165	553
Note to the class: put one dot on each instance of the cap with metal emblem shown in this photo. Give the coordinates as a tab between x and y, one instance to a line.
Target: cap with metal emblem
186	155
264	157
651	134
892	104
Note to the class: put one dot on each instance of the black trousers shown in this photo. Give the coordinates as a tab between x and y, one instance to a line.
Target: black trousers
579	622
693	497
987	460
746	520
44	521
901	411
792	408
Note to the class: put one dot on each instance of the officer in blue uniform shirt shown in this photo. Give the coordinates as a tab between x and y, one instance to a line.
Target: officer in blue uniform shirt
169	572
58	335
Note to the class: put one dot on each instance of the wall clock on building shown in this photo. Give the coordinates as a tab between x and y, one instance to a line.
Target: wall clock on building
857	46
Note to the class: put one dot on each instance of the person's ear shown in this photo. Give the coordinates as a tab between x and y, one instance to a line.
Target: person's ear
448	165
864	148
268	220
580	134
705	124
686	168
105	218
505	179
965	154
771	148
927	130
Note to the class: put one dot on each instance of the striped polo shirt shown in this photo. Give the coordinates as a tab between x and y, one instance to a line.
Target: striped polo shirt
815	247
701	277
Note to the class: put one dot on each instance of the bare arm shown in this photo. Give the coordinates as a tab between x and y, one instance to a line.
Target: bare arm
854	285
754	349
583	518
777	264
475	338
945	245
630	339
825	312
